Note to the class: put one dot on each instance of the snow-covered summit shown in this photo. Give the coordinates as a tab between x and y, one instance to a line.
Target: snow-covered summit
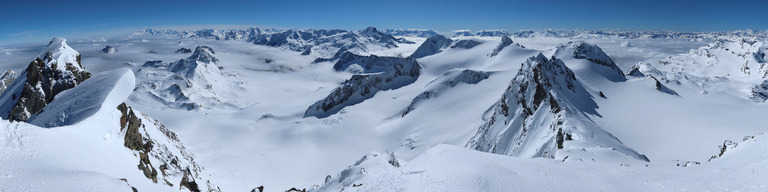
544	113
56	69
594	54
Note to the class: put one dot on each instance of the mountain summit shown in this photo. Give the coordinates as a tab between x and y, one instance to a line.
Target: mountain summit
56	69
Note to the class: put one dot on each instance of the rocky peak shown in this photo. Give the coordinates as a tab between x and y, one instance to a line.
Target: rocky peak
543	108
203	54
370	31
56	69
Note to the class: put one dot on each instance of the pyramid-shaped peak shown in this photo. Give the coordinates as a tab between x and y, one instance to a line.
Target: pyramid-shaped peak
370	31
204	54
58	52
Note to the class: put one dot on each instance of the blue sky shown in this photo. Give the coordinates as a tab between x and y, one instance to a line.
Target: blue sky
29	20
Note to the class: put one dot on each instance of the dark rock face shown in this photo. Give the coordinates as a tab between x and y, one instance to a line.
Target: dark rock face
403	71
134	140
431	46
55	70
183	50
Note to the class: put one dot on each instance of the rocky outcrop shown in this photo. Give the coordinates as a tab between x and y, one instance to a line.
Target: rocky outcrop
152	142
56	69
403	71
109	49
543	107
432	46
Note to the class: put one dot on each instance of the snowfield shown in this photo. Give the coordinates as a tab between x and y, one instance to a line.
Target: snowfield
394	110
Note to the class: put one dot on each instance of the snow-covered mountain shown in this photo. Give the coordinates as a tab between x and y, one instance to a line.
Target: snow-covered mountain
88	139
56	69
380	74
545	113
196	81
422	33
319	42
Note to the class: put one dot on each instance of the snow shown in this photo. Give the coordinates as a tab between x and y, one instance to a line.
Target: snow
99	94
258	135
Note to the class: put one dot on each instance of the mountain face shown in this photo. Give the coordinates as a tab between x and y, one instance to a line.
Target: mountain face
56	69
543	113
400	72
196	76
594	54
364	64
431	46
505	41
422	33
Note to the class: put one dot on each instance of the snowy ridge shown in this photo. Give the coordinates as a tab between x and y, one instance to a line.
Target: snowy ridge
422	33
448	80
102	92
364	64
546	112
403	71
